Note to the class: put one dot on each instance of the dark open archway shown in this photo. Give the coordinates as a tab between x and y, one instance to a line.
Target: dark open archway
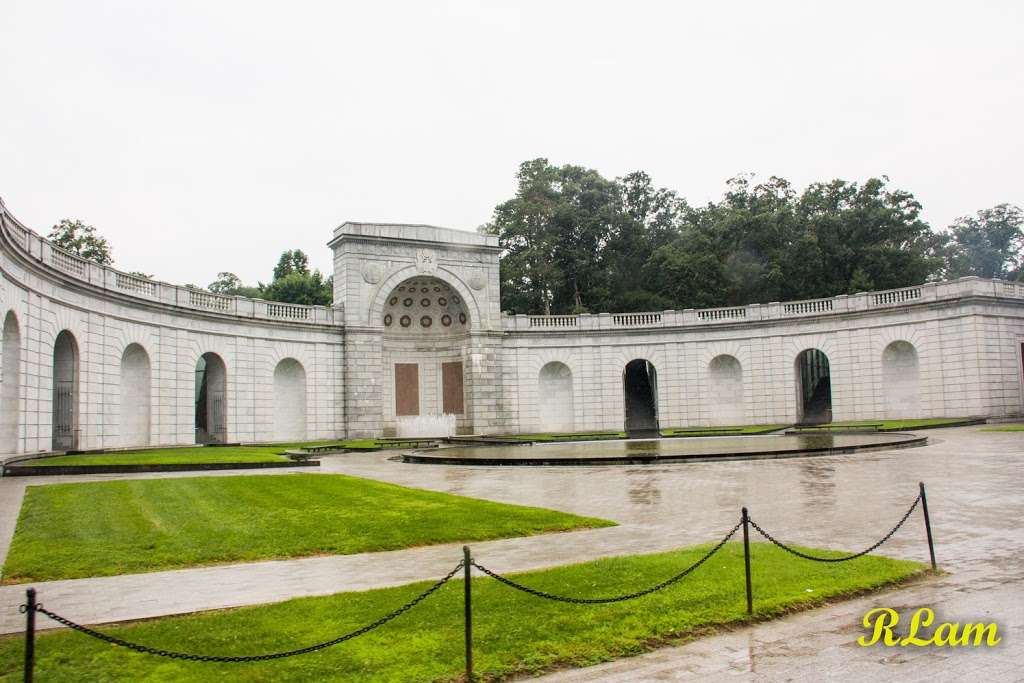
211	399
814	387
65	392
640	391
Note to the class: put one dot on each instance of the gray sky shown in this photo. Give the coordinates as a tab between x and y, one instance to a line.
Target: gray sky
208	136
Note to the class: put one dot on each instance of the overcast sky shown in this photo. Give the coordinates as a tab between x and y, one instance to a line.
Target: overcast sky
208	136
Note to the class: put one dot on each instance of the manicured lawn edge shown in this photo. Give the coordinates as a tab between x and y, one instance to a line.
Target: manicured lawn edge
51	470
515	634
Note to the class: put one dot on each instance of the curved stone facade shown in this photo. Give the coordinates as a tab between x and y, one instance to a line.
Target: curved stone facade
96	358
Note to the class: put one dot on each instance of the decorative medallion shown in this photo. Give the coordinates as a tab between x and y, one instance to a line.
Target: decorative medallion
424	302
476	280
437	289
425	290
388	319
426	321
462	318
442	301
407	302
373	272
426	261
446	320
393	300
405	321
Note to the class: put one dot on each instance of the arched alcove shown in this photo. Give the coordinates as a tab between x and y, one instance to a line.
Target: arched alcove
136	377
640	393
289	401
65	392
814	387
901	380
10	403
725	396
555	399
211	399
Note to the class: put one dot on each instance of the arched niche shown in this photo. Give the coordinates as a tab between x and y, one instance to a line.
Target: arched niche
555	399
289	401
901	380
725	399
136	379
10	391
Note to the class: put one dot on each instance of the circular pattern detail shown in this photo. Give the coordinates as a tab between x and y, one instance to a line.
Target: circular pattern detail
401	289
425	290
407	302
462	318
405	321
437	289
424	302
446	320
393	300
441	301
388	320
426	321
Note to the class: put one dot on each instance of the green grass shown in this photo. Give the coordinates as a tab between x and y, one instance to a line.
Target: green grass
1004	428
199	455
514	633
894	424
670	431
116	527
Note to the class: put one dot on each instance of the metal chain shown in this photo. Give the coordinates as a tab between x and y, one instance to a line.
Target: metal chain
170	654
846	557
620	598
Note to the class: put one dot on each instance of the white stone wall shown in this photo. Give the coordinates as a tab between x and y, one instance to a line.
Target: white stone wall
295	373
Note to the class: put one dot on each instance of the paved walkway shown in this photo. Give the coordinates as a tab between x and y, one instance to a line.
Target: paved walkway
974	483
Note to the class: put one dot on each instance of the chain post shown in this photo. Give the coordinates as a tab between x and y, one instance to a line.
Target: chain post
746	560
30	633
927	524
467	567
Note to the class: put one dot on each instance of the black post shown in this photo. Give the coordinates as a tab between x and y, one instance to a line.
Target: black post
468	602
30	633
746	560
927	524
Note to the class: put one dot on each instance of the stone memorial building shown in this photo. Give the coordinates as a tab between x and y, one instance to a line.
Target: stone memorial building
416	344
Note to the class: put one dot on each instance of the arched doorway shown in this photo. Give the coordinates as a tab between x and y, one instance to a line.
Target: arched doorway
65	392
289	401
10	403
211	399
901	380
814	387
640	391
135	390
556	398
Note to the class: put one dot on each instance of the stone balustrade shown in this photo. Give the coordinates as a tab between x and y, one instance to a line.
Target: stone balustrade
862	301
42	250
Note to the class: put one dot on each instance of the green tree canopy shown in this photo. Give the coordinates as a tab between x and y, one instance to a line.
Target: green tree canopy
84	240
987	244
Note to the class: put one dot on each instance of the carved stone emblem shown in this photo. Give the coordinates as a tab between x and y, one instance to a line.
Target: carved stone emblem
476	280
426	261
373	272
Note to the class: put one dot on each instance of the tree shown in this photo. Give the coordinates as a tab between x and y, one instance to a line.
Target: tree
76	237
291	261
309	289
230	284
987	244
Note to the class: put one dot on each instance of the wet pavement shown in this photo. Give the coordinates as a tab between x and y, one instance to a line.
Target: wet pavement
839	501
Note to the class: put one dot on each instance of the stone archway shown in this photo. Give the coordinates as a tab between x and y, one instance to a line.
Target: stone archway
640	394
814	387
10	401
289	401
135	396
555	398
901	380
211	399
65	392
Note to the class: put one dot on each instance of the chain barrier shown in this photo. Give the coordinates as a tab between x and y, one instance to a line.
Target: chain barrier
619	598
170	654
845	558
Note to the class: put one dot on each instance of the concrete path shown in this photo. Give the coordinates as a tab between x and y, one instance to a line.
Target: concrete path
974	483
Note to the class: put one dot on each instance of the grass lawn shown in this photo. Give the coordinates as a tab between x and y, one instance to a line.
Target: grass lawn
895	424
1004	428
197	455
671	431
116	527
514	633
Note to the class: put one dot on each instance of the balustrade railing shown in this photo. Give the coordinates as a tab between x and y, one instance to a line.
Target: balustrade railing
805	307
716	314
636	319
896	296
